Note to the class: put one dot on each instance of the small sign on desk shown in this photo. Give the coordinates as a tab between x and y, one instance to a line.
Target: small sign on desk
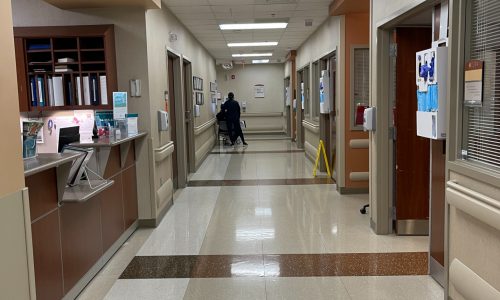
119	105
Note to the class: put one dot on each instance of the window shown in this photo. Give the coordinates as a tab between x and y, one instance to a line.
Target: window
360	75
481	131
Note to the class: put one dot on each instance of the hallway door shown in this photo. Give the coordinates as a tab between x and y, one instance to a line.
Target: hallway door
172	121
188	108
412	152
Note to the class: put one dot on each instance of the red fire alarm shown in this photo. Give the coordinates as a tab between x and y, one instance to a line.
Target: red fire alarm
233	76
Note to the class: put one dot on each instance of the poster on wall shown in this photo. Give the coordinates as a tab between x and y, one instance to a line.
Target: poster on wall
473	94
259	91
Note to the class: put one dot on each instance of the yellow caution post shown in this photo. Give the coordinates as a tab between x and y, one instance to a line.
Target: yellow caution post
321	148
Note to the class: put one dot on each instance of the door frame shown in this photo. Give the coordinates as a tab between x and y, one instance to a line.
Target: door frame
188	114
381	140
288	114
179	142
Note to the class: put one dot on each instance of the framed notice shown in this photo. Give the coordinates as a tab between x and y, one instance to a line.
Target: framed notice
473	86
119	105
200	98
197	83
213	87
259	91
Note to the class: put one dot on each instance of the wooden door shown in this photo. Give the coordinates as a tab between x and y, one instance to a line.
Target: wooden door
412	152
172	121
188	106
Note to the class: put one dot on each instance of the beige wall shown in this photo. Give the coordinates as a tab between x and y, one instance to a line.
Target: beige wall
11	172
14	271
271	75
246	77
323	41
159	24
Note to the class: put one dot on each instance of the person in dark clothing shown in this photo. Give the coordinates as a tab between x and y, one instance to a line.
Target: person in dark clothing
232	112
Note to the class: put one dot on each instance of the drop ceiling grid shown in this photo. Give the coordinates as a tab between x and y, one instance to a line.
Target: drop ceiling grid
202	17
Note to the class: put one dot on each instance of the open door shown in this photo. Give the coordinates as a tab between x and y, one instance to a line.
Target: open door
188	109
173	121
412	152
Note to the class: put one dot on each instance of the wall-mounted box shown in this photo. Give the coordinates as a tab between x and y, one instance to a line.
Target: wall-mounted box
432	92
325	100
163	120
370	119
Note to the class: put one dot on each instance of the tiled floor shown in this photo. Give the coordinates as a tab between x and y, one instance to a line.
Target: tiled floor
255	225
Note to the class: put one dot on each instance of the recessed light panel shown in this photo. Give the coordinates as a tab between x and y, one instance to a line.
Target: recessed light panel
253	44
260	61
250	26
253	55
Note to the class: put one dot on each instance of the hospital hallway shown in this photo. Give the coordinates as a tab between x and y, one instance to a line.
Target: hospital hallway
254	224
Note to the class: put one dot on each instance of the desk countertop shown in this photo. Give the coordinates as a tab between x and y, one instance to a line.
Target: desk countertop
45	161
109	141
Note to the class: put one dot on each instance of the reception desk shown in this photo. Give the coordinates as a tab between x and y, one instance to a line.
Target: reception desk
76	230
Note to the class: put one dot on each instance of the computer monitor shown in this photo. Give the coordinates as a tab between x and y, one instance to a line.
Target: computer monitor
67	136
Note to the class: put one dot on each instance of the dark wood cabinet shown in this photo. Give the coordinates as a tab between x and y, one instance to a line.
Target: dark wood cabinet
131	211
69	240
81	239
112	216
43	193
47	257
75	64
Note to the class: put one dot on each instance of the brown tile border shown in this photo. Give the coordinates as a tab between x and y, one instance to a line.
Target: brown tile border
258	152
279	265
255	182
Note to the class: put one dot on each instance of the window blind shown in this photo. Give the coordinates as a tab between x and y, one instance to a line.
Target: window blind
361	76
482	124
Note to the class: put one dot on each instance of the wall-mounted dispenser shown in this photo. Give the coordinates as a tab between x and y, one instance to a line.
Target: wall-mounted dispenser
302	94
163	120
325	104
244	106
431	67
135	88
370	119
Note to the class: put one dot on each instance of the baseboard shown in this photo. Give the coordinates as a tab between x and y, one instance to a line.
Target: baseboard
412	227
153	223
436	271
352	191
82	283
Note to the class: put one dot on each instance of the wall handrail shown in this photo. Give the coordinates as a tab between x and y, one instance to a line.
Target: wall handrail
204	127
164	151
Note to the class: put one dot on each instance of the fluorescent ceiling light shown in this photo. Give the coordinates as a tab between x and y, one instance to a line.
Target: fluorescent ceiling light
253	26
253	44
260	61
253	55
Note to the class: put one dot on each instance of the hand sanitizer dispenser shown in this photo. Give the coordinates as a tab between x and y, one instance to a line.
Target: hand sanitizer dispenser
369	119
162	120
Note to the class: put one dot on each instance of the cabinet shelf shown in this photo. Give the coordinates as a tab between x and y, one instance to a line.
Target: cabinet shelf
65	50
39	51
92	49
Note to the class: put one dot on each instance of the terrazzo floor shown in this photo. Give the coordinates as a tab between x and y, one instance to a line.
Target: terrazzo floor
257	225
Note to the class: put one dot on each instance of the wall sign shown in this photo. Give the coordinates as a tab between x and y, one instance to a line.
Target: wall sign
259	90
474	74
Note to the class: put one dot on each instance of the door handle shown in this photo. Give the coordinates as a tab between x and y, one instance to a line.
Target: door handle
187	115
